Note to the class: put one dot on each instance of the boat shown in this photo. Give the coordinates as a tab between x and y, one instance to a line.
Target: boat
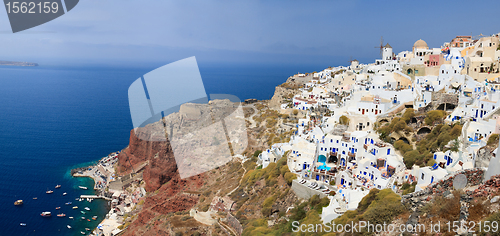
46	214
57	208
88	220
82	232
22	224
77	199
35	198
83	218
75	207
68	203
58	186
82	212
64	194
87	208
94	217
71	217
49	191
69	227
61	215
18	202
87	229
82	187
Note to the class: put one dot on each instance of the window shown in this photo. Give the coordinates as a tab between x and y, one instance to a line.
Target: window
422	176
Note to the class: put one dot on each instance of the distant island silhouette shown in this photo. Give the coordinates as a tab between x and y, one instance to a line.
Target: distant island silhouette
16	63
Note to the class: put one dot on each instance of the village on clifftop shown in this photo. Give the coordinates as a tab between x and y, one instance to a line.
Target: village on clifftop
359	123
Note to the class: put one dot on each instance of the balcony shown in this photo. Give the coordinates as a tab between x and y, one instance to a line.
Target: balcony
380	145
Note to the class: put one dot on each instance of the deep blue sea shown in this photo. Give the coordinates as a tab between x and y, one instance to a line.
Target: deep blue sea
53	119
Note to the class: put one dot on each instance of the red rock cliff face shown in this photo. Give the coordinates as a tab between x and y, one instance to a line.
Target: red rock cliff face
161	168
160	174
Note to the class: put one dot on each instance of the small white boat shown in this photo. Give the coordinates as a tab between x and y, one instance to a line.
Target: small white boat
82	187
64	194
69	227
22	224
82	232
71	217
58	186
46	214
86	208
49	191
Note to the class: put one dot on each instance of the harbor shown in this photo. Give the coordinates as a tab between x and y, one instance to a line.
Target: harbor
123	194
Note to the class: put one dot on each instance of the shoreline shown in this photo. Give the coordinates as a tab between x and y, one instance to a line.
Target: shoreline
102	172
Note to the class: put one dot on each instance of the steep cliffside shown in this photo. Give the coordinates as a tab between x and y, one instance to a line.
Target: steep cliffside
161	176
161	168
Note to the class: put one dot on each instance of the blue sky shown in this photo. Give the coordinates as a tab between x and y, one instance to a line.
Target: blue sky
271	32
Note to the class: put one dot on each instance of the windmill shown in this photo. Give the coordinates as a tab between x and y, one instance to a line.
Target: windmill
350	60
381	47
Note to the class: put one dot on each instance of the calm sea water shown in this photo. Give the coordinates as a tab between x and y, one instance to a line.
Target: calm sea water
53	119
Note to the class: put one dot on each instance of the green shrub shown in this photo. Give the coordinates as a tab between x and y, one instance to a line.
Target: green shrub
435	115
343	120
289	177
493	139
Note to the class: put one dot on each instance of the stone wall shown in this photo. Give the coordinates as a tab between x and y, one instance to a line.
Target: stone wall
234	223
474	177
305	192
440	98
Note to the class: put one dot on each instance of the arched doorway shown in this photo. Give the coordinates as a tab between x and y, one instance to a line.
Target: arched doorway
424	130
404	140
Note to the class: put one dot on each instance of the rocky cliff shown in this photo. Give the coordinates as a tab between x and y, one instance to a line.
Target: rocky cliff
161	168
161	176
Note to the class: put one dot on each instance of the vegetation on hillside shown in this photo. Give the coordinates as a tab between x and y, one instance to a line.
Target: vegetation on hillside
434	141
307	212
397	124
378	207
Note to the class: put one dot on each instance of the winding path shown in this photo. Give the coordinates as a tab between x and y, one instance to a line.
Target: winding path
242	162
